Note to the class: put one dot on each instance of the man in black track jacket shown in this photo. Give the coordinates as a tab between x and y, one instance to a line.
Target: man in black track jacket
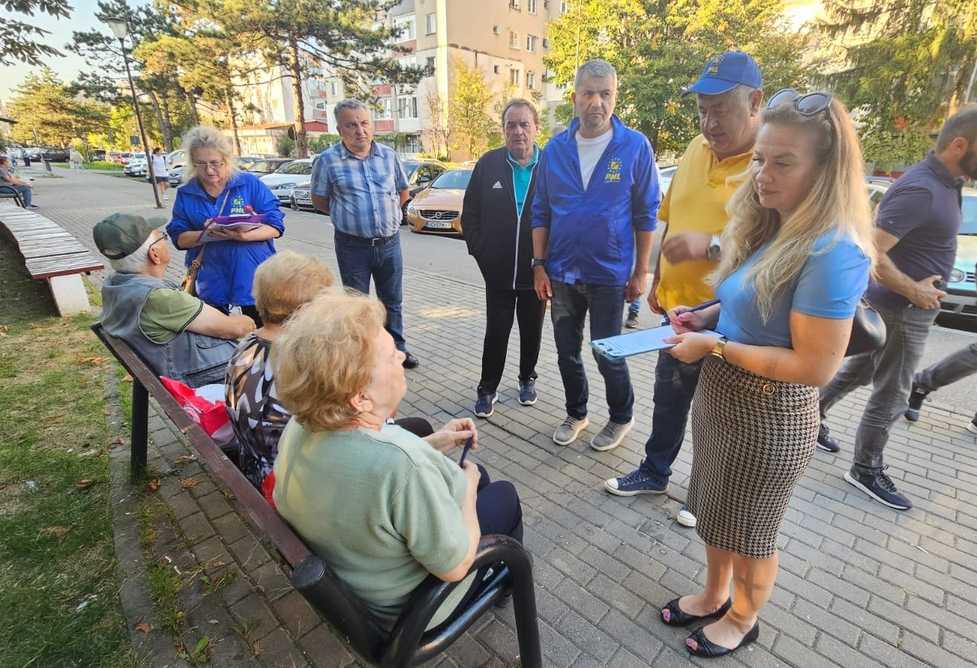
496	220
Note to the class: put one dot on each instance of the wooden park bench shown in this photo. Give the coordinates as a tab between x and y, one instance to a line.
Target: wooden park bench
409	643
51	254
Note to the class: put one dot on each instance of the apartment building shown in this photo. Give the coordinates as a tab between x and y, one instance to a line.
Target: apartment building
505	39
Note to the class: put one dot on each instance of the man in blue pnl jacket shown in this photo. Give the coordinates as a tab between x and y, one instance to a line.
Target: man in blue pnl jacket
594	213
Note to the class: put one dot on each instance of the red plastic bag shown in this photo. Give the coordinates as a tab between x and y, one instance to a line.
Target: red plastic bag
210	415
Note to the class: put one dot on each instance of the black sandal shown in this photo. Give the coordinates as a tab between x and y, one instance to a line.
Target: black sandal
707	649
678	617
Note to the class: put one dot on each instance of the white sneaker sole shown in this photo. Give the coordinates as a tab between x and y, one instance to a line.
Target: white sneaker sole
576	433
854	483
686	519
615	443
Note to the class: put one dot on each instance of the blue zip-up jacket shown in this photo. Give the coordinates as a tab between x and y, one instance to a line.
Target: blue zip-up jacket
227	271
592	229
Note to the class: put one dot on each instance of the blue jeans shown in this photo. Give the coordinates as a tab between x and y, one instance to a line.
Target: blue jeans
26	192
360	260
675	384
569	310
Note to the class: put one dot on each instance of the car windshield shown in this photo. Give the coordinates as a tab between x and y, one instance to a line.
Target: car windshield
264	166
458	179
969	223
296	168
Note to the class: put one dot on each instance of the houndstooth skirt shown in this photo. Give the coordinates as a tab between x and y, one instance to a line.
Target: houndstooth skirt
752	439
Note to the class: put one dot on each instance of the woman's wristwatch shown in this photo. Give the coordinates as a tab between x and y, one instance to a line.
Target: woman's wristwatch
537	262
719	350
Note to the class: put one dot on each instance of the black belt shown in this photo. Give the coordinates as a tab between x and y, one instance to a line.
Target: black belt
368	241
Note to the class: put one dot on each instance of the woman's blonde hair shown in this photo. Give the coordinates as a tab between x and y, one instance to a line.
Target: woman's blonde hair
323	358
838	200
286	281
204	136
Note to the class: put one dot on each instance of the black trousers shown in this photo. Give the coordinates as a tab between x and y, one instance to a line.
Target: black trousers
502	306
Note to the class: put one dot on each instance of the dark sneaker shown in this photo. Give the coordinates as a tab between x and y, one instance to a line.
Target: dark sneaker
527	393
916	399
410	362
972	425
825	441
485	404
636	482
632	321
880	487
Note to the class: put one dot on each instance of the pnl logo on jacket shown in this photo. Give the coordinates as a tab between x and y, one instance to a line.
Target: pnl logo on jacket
237	206
613	174
497	185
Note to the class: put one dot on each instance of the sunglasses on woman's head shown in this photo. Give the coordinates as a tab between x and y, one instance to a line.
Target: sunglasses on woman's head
810	104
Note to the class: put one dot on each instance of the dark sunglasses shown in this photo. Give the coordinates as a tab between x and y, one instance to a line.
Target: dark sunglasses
810	104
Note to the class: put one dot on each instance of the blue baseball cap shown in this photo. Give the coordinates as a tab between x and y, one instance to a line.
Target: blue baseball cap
726	71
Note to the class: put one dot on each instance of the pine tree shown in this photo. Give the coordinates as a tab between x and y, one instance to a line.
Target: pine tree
18	39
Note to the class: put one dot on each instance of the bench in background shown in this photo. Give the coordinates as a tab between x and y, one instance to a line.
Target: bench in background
51	254
409	643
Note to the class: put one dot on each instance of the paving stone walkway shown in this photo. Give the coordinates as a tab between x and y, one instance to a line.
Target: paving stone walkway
860	585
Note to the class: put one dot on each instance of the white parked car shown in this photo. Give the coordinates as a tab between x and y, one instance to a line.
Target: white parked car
284	180
136	165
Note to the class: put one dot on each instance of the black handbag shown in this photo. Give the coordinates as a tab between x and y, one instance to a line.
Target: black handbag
867	330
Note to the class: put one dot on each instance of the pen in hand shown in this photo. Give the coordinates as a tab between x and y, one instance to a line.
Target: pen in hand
698	307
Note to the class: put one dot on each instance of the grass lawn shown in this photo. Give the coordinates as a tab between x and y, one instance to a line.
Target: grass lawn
59	582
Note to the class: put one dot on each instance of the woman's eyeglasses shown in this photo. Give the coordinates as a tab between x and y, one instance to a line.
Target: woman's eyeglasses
213	164
810	104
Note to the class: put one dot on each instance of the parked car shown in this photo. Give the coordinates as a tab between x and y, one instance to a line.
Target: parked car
665	175
97	154
302	199
177	158
420	174
175	177
265	165
437	209
55	154
283	181
136	166
120	157
961	289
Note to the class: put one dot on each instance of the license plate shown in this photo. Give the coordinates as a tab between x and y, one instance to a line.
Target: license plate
437	225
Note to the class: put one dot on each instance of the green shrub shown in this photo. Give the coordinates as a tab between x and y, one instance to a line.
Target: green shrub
102	164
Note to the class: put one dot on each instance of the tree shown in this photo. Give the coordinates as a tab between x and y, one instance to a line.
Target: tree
147	23
18	39
48	114
660	47
903	66
438	130
471	125
303	37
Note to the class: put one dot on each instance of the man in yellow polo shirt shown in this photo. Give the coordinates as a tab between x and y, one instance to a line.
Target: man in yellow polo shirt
694	209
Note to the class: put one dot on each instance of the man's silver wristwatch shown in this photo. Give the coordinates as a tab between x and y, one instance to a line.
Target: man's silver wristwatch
712	252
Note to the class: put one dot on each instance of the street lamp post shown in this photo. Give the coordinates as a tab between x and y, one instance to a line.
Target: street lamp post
120	28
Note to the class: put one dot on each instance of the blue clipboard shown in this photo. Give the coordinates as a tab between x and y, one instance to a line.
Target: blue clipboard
636	343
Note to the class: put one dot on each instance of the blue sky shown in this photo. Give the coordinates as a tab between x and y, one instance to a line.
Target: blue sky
82	18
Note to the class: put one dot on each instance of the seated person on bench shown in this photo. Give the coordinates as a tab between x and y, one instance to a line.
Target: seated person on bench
174	333
282	283
383	507
8	178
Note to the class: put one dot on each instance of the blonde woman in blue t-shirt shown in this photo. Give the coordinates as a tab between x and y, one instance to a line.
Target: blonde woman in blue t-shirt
796	260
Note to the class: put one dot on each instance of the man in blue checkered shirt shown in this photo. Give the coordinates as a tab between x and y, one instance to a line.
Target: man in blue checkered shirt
362	186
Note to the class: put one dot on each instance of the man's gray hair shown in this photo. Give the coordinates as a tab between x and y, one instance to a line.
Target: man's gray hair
594	68
348	103
135	262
